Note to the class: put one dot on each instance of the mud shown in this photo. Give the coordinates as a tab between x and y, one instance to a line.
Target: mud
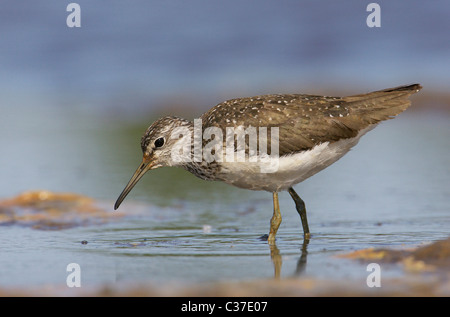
45	210
434	257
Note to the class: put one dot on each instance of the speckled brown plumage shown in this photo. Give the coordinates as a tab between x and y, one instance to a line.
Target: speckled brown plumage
307	120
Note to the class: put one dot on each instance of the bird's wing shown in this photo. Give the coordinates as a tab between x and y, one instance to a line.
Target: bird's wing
304	121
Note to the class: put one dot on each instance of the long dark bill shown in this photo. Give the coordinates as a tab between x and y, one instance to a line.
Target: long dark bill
141	170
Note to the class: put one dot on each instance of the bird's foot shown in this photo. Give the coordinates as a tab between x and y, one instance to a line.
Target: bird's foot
270	238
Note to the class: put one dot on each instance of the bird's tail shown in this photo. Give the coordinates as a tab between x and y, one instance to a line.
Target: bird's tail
381	105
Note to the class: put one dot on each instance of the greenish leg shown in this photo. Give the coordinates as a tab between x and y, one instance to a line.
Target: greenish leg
300	206
276	219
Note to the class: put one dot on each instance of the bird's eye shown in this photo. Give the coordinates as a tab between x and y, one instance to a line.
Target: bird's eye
159	142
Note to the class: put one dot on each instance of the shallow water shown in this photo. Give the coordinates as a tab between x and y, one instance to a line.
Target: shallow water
390	190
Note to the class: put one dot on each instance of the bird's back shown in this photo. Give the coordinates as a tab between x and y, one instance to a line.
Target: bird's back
308	120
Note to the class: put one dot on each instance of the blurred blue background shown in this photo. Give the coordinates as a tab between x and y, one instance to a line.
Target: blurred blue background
66	92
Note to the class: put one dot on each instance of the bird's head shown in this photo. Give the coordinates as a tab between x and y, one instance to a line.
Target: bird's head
158	144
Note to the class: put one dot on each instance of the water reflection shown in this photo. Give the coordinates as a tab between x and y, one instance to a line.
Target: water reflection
277	261
301	264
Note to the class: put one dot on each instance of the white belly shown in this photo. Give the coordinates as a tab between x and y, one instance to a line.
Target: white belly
287	170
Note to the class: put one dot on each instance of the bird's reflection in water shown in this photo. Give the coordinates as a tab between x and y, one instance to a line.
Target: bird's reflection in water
277	259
